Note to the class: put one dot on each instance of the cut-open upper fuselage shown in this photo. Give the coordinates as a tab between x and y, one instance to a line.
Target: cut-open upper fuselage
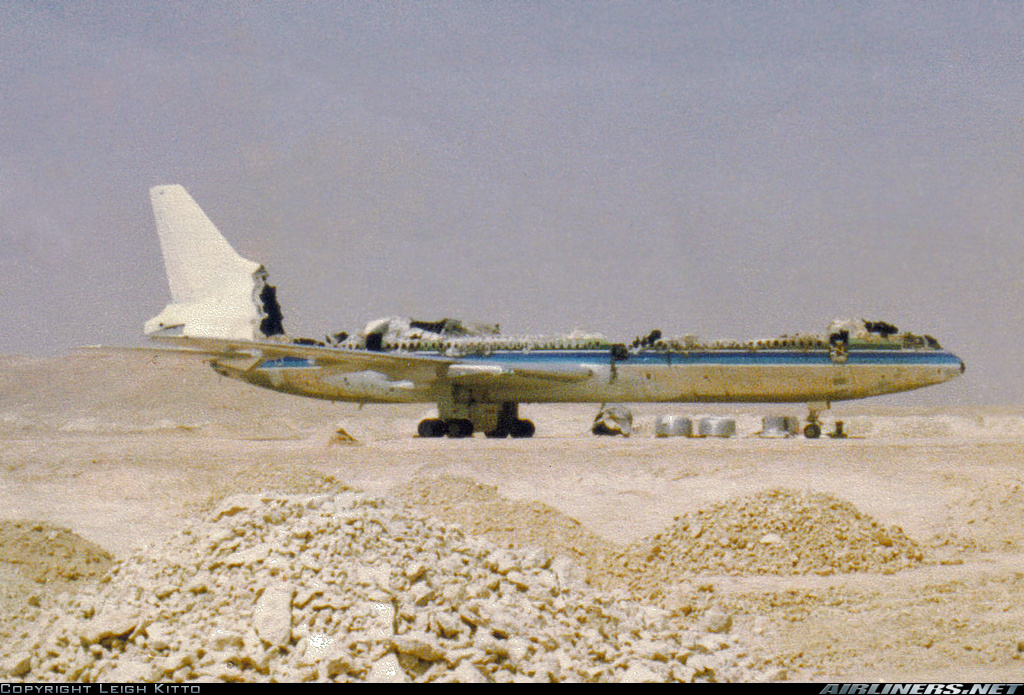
591	370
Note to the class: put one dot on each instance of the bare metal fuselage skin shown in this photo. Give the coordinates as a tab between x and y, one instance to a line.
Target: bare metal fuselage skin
647	375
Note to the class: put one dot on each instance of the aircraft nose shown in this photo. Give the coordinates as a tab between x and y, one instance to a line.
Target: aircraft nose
953	368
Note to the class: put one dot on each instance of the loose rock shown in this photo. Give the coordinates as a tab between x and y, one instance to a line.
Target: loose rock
345	588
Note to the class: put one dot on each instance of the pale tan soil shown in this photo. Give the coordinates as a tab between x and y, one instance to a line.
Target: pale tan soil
120	451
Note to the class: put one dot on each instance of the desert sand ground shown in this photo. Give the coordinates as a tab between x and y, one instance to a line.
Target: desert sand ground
109	453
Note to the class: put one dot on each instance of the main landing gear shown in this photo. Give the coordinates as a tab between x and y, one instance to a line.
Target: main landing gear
517	429
455	428
494	420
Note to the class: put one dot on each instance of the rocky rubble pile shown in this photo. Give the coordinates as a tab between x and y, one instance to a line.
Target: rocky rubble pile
481	511
772	532
340	587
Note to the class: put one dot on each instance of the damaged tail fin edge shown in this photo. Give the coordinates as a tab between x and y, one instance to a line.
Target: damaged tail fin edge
215	293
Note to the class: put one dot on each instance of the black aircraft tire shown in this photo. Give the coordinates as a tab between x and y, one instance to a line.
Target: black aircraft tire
522	429
459	429
431	428
500	432
812	431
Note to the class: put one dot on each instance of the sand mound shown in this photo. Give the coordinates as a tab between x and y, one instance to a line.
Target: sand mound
772	532
483	512
339	587
47	553
38	558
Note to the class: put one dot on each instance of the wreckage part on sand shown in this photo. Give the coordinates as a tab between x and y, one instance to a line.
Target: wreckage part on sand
722	427
673	426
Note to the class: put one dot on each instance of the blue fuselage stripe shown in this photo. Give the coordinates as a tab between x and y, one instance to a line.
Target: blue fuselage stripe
288	363
717	358
758	358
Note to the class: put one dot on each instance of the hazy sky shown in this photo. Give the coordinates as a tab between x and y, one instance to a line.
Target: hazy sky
722	169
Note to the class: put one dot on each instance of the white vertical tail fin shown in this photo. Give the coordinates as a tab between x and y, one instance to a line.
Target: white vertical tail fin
215	293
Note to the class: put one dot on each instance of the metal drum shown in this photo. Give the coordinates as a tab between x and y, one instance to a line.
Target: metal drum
716	427
780	426
673	426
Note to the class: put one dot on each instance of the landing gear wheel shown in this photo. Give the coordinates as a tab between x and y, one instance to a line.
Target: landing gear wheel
459	429
432	427
522	429
812	431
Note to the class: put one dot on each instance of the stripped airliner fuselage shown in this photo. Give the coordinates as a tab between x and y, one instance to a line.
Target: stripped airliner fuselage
590	375
482	381
222	308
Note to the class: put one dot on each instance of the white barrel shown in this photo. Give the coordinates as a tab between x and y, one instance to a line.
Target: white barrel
780	426
716	427
673	426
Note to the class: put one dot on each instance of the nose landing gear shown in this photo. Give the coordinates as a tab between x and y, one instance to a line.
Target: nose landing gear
813	428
